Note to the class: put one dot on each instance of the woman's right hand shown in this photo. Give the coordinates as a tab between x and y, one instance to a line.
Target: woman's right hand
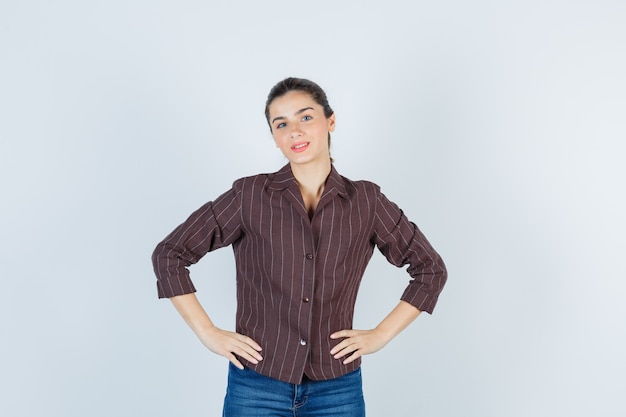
229	344
222	342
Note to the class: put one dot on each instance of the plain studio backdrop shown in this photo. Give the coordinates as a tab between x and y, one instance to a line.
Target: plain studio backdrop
498	127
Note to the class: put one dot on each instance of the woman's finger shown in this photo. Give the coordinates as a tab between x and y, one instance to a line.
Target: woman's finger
249	341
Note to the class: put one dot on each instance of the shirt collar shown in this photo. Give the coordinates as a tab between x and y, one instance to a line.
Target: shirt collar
284	179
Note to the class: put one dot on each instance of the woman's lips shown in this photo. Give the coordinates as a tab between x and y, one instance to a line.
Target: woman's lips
300	147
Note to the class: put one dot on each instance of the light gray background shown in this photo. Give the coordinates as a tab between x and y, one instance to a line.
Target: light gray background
498	127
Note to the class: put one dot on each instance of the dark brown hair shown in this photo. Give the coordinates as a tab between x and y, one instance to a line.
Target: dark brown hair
298	84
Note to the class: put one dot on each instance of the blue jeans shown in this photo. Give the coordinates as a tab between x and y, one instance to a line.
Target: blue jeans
250	394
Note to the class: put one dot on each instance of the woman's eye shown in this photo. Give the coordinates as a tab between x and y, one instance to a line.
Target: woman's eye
281	125
307	118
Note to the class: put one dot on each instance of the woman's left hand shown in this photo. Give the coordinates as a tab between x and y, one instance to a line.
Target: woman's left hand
357	343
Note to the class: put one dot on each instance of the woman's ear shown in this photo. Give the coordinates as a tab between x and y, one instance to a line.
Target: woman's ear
331	123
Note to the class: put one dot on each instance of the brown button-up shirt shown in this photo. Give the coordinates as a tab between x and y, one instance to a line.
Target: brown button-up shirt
297	279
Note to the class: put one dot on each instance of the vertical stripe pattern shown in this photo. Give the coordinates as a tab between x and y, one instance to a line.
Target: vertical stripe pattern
297	279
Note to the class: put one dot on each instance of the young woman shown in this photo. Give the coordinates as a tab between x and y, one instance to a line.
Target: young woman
302	237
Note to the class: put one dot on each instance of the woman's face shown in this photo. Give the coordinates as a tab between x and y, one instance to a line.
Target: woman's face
300	128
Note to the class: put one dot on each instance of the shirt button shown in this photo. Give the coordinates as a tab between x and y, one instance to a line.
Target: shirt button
309	256
306	299
303	342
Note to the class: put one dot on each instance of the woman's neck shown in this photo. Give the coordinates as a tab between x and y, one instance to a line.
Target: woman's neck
311	179
311	176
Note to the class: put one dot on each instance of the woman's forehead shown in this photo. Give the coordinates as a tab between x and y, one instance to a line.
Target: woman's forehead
292	101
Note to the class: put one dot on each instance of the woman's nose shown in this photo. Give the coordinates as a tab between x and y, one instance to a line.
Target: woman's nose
295	131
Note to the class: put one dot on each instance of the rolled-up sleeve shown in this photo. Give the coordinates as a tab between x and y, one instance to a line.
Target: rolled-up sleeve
214	225
402	243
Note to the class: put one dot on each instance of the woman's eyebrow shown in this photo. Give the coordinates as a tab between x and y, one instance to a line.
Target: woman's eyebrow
296	113
303	110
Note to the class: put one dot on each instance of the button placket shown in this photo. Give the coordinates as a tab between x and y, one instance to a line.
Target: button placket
309	257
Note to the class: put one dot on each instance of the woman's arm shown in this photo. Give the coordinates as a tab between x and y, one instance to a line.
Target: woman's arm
222	342
362	342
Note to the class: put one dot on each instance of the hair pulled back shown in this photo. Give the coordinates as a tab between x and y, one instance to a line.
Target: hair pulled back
298	84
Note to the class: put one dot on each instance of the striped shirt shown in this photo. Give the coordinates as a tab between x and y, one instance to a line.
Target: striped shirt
297	278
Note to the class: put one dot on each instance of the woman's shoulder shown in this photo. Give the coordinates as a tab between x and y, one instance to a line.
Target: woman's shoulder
262	180
360	186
